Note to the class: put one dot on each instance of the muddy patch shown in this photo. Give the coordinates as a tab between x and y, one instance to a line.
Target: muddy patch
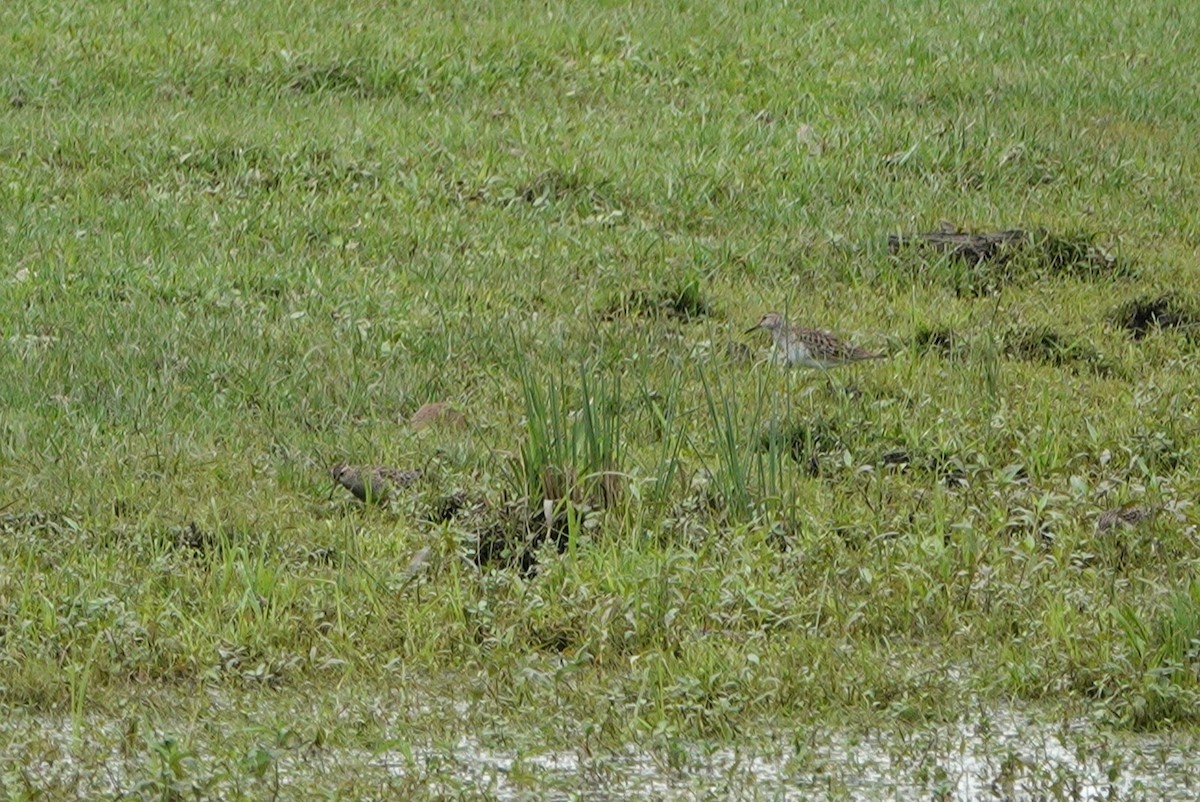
940	341
815	444
446	507
1048	347
511	535
945	466
507	533
1144	315
978	263
684	300
552	186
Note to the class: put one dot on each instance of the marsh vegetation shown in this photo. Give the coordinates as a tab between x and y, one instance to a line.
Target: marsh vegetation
245	243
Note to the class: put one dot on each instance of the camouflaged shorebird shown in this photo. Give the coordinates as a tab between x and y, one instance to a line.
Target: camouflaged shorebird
810	348
372	482
1124	517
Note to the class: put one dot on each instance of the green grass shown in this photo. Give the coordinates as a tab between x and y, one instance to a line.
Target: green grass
242	242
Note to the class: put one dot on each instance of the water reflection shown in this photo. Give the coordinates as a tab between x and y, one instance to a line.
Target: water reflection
1000	756
995	755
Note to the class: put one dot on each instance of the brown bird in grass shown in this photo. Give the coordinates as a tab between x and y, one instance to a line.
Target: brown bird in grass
372	482
810	348
1126	517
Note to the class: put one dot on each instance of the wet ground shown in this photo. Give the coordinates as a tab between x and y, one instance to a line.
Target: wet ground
1004	757
997	755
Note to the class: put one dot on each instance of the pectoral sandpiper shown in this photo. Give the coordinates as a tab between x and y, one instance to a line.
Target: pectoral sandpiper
1124	517
372	482
810	348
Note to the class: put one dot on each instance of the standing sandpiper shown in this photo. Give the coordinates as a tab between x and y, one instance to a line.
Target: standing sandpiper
810	348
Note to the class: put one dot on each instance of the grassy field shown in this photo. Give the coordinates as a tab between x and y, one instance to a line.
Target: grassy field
244	242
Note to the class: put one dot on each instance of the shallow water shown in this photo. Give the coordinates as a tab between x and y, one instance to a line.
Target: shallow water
1001	756
996	755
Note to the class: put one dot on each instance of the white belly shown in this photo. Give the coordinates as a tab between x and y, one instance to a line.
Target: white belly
799	355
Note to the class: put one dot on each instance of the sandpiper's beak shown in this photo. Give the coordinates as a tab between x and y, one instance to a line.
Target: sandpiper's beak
753	328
